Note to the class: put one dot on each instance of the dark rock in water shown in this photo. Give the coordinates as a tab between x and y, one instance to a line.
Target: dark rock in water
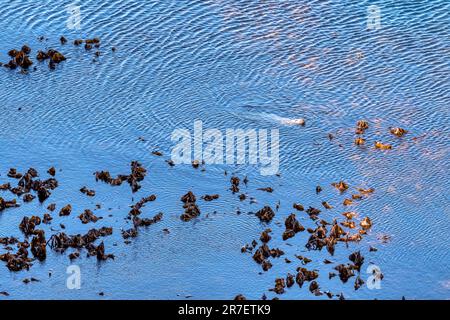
266	214
63	40
240	297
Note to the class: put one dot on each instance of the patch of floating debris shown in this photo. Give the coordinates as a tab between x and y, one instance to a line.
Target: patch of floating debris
316	232
21	58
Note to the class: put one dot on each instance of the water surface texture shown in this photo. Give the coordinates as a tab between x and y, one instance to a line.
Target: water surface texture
232	64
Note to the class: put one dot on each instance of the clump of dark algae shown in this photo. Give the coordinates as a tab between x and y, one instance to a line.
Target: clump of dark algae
137	175
341	228
22	59
34	246
191	209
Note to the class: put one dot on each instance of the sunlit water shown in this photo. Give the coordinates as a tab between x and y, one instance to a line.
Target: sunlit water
233	64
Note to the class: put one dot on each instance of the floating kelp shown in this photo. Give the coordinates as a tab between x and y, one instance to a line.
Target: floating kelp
130	233
211	197
399	132
341	185
360	141
88	216
357	260
28	225
65	211
234	184
136	208
366	223
138	173
191	210
266	214
326	205
313	213
268	189
88	192
293	226
47	218
98	251
265	236
39	245
145	222
280	284
304	274
361	126
61	242
382	146
19	58
5	204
